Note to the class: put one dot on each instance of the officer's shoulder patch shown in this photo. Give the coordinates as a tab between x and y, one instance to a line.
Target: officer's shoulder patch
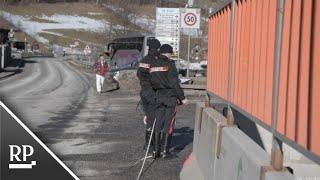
159	69
144	65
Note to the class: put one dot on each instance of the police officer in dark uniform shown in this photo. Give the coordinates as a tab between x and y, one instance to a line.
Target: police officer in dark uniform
147	93
164	78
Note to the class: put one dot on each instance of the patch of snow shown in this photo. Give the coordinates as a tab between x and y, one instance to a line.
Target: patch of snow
203	63
95	14
25	25
34	28
73	22
145	22
113	8
53	33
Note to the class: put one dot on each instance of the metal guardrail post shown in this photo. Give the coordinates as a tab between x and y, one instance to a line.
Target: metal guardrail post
276	151
230	119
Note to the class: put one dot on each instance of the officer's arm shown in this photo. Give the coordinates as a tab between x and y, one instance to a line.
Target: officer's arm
140	70
174	81
139	73
143	76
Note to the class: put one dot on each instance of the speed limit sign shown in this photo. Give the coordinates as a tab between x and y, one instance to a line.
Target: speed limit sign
190	18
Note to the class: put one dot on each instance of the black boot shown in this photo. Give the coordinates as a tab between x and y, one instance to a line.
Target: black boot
156	146
148	135
167	138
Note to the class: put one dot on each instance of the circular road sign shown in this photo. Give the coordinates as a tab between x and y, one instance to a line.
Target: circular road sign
190	19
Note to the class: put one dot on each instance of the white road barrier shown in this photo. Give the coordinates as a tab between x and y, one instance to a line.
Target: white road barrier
225	153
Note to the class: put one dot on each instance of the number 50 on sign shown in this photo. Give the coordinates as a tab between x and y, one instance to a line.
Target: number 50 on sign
190	18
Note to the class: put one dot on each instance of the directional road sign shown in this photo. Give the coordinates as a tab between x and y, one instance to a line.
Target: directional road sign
168	27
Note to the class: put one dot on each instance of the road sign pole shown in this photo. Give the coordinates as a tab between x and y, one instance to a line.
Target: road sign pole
25	44
179	64
190	4
188	63
190	19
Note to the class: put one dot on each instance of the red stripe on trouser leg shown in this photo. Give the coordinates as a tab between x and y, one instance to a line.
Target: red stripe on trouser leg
172	121
171	126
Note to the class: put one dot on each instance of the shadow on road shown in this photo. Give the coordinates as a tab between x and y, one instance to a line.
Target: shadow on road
61	120
15	67
20	63
181	138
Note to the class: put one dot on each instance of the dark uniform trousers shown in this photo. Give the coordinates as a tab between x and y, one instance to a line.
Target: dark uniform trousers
149	106
165	114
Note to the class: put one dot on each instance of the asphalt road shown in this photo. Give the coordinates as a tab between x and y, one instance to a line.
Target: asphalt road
97	136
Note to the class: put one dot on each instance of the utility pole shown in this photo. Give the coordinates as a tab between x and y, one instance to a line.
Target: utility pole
25	45
190	4
188	59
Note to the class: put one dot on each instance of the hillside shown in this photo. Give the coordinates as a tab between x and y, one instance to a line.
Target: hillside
21	35
94	24
64	23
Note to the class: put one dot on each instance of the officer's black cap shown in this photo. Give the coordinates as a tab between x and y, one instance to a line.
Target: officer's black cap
153	44
166	48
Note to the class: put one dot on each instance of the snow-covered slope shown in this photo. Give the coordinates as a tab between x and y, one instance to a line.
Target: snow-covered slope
143	21
56	21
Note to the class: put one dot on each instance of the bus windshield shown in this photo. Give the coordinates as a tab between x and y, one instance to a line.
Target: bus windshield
127	51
